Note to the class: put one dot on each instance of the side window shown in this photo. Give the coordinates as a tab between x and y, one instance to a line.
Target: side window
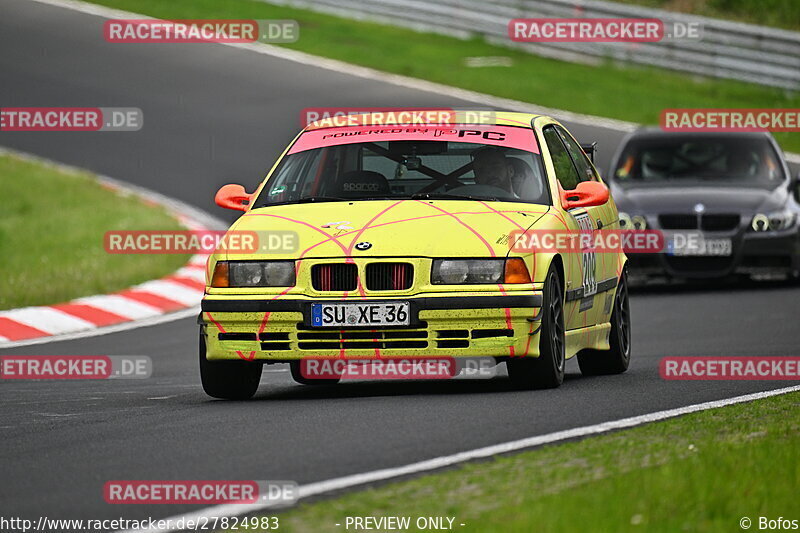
578	156
565	170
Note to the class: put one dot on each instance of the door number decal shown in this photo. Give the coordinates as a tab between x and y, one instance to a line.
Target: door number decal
588	255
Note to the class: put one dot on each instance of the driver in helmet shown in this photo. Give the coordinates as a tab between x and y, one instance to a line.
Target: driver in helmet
493	169
656	164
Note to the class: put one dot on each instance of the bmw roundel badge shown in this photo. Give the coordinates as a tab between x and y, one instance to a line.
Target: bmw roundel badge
363	246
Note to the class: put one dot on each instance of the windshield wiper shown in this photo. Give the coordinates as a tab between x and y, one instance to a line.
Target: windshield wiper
312	199
445	196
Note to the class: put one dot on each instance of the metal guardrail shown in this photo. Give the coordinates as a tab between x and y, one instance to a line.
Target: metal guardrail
732	50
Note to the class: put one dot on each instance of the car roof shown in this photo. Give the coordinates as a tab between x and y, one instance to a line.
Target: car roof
654	132
456	117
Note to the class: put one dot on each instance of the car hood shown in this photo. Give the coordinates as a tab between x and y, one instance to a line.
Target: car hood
654	200
431	228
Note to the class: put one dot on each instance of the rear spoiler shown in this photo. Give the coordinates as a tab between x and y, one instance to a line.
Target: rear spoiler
590	149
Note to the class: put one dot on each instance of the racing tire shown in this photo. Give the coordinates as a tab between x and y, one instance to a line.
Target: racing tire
228	380
617	359
547	370
297	375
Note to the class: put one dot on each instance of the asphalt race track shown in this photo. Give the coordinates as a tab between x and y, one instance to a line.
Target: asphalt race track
215	114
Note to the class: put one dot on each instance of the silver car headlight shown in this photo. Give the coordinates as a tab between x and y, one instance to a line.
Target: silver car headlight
639	222
254	274
467	271
631	222
780	220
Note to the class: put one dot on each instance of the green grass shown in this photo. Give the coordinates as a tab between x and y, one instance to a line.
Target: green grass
51	236
701	472
779	13
627	93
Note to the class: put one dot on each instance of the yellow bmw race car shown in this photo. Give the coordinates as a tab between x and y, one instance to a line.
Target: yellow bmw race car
387	240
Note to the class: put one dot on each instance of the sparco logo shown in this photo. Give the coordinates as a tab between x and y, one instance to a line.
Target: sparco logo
372	187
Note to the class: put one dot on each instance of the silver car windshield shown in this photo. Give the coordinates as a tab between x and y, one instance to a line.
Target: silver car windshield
739	162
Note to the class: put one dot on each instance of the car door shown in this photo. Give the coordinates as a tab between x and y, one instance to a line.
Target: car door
604	216
580	265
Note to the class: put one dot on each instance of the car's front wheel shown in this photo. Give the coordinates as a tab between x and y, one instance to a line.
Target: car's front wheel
229	380
617	359
547	370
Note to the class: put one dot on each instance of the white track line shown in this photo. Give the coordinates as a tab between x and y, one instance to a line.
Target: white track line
329	64
145	315
439	462
209	221
322	487
377	75
368	73
792	158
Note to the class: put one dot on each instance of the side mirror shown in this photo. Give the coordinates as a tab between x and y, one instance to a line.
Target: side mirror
589	149
233	196
586	194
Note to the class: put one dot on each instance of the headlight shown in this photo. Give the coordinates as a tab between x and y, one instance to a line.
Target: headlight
760	222
775	221
479	271
781	221
639	222
631	222
254	274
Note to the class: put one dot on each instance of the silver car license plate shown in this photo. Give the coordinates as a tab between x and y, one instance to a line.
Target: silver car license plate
702	247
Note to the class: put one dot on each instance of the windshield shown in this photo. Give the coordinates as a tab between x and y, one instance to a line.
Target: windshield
738	162
502	163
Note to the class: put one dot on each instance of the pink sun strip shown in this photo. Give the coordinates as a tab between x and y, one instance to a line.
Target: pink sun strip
507	136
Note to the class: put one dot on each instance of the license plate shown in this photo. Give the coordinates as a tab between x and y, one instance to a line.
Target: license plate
360	314
701	247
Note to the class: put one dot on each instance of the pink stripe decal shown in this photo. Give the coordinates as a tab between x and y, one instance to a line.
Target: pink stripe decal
508	136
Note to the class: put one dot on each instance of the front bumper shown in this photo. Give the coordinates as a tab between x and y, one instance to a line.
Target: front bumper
753	253
444	326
